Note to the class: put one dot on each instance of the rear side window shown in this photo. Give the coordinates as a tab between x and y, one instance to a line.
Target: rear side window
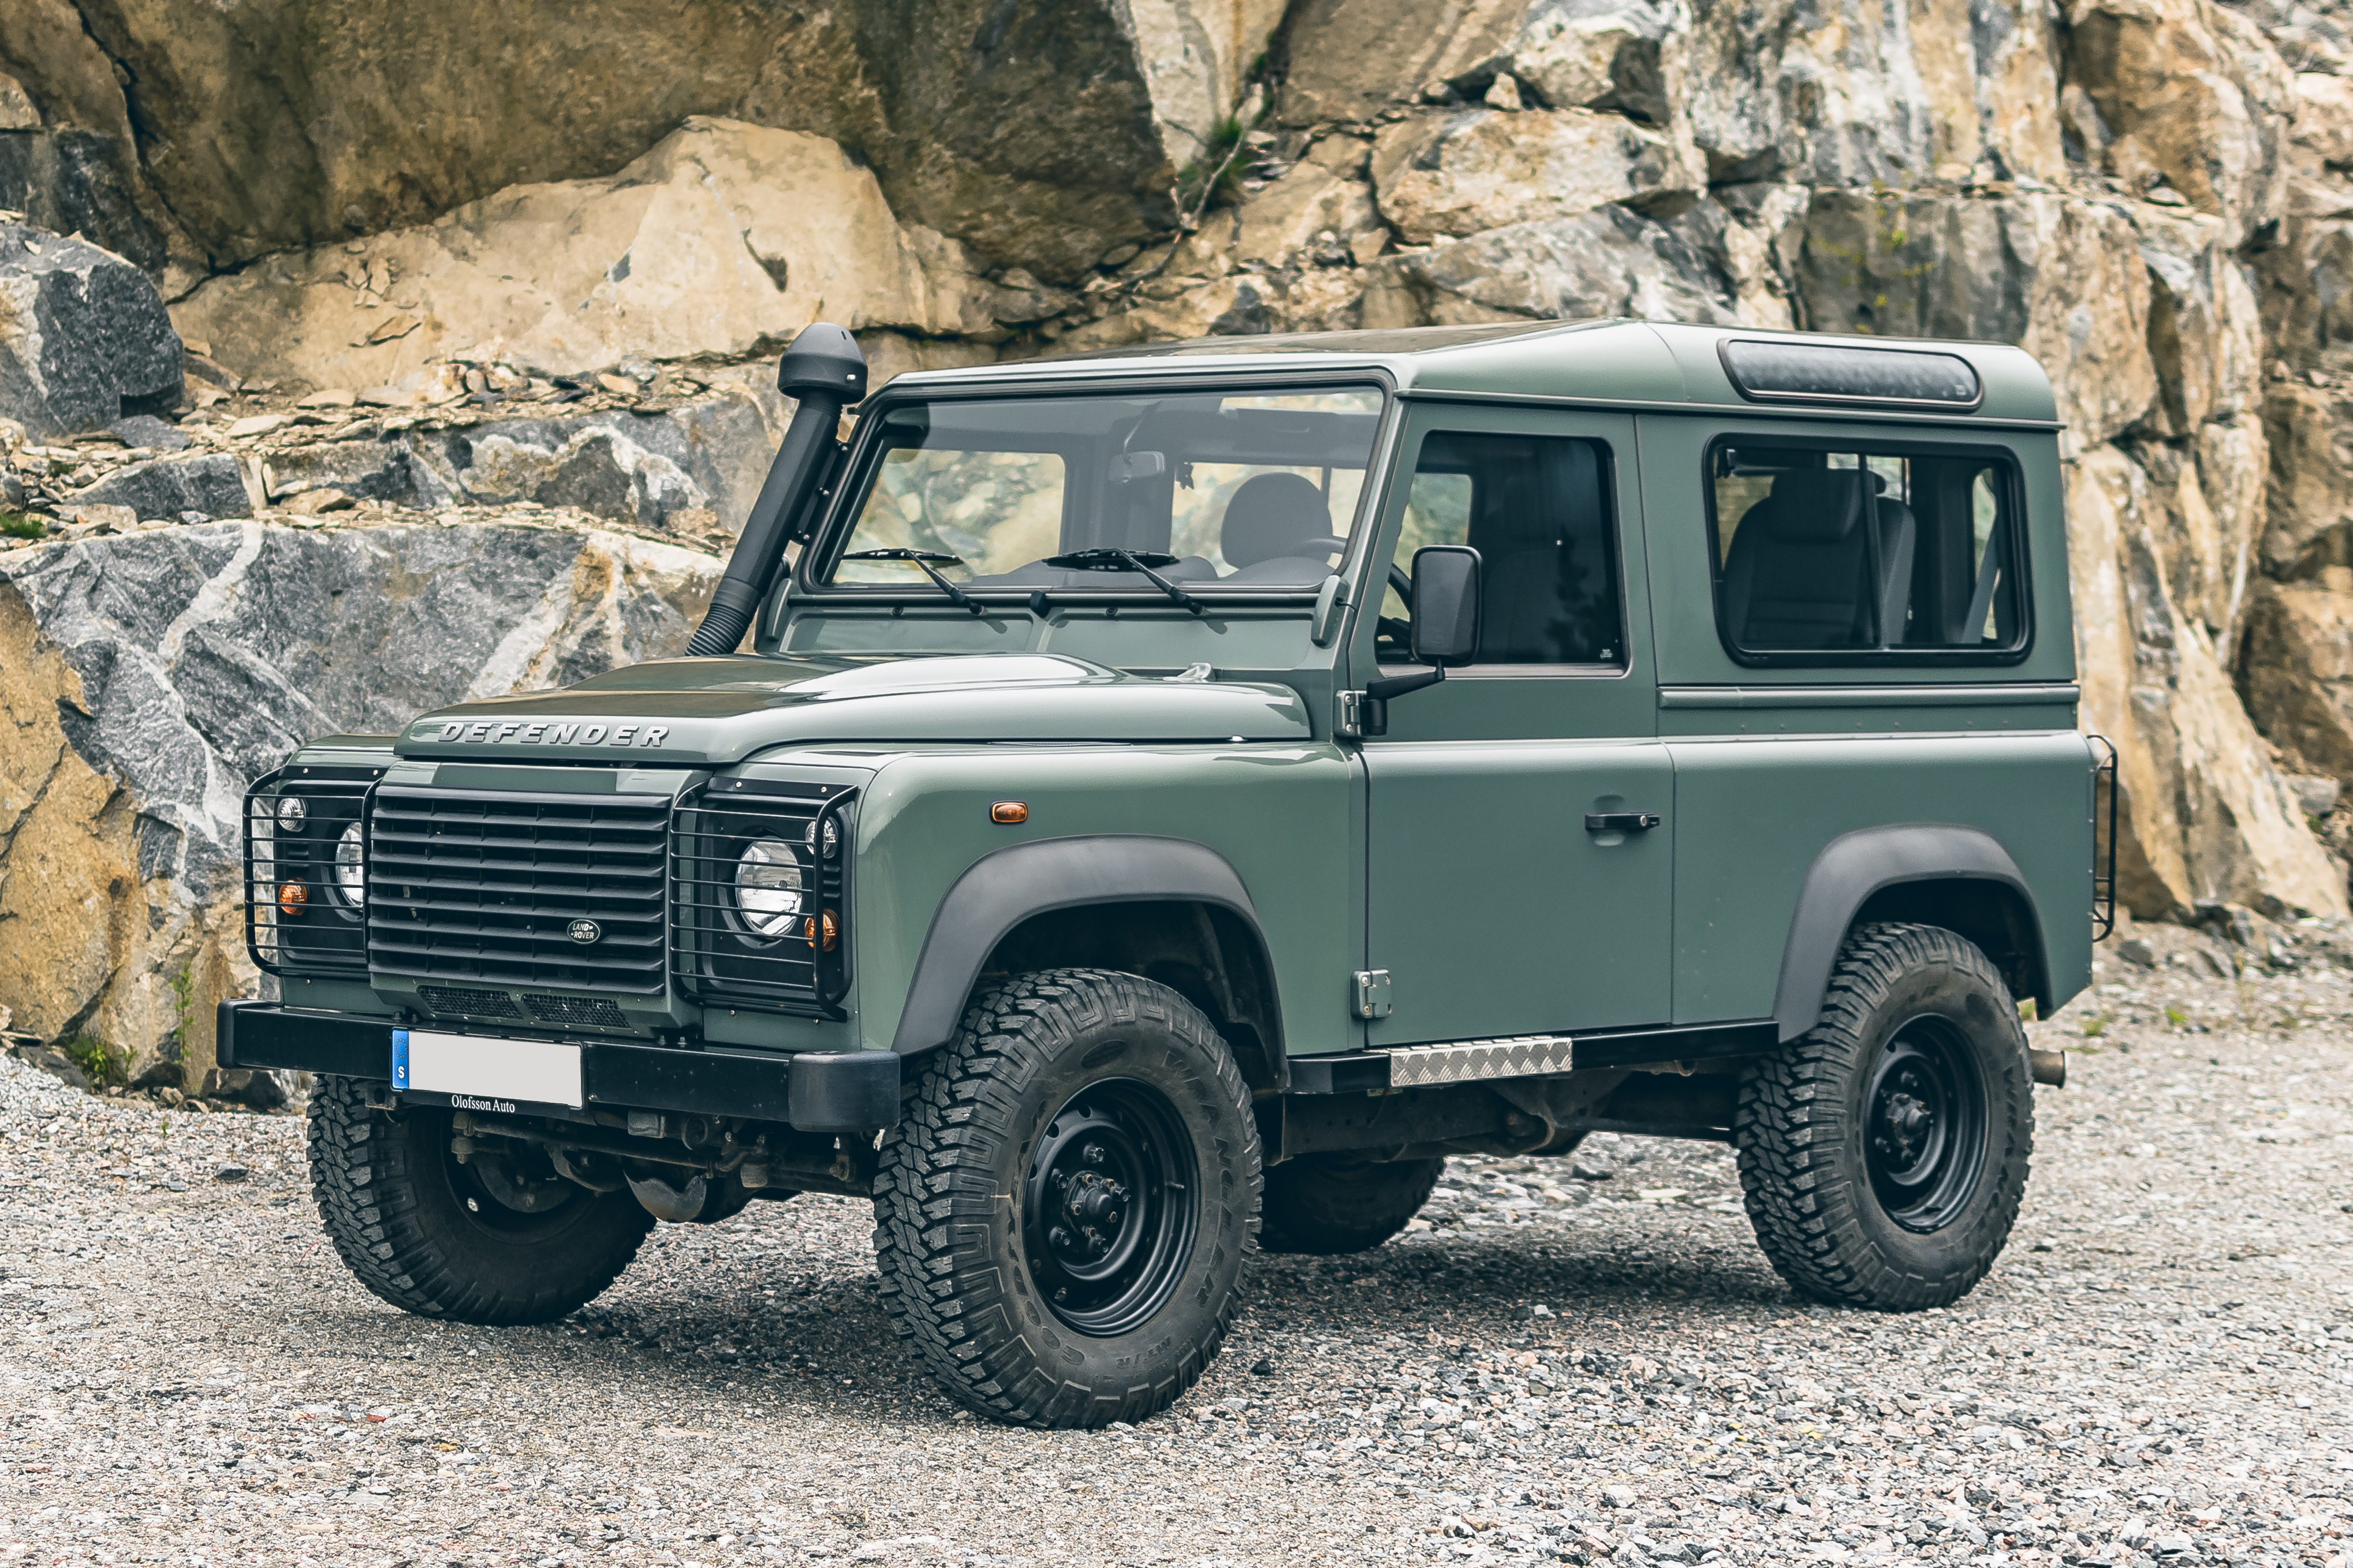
1835	555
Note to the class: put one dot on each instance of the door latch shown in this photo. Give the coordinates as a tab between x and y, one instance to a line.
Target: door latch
1622	821
1373	994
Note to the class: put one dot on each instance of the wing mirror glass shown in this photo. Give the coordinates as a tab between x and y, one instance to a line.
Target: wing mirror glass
1446	605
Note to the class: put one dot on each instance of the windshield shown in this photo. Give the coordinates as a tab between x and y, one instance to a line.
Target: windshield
1152	491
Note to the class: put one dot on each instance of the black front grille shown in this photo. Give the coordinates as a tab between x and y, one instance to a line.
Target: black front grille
304	911
467	1003
586	1011
789	954
497	888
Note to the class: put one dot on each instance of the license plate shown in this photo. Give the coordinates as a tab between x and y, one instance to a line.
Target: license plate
481	1072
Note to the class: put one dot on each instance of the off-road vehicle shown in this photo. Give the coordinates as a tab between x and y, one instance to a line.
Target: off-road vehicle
1173	800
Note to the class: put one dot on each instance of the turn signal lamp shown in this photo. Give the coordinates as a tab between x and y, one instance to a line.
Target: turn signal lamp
832	930
293	898
1009	813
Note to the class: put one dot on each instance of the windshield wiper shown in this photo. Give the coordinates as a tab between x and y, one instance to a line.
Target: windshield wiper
923	560
1113	560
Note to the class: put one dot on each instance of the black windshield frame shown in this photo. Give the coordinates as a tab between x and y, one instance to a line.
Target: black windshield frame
869	443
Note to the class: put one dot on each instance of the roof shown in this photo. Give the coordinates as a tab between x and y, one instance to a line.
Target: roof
1616	362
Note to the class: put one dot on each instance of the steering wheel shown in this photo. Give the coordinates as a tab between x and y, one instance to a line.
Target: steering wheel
1333	544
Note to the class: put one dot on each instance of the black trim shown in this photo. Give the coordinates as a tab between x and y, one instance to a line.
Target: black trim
1851	867
1356	1072
1677	1042
824	1086
259	1035
1006	886
2021	568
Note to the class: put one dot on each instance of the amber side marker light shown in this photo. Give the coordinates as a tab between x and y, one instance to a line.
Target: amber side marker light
1009	813
293	898
832	929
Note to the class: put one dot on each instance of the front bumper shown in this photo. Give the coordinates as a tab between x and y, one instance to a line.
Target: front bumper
813	1091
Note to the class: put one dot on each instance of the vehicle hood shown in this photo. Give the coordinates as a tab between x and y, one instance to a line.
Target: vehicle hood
718	710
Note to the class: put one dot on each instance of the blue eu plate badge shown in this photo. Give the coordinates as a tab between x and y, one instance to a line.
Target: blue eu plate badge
400	1058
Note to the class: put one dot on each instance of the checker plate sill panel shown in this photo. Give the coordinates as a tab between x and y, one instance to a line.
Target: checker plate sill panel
1468	1061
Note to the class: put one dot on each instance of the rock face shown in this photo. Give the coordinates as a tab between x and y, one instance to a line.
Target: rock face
2153	196
183	489
1043	133
712	245
84	338
145	680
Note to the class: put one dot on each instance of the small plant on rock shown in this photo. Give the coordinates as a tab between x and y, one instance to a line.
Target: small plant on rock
100	1063
22	525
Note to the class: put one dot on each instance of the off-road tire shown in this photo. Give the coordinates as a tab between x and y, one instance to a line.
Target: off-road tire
1324	1205
960	1276
1803	1124
394	1204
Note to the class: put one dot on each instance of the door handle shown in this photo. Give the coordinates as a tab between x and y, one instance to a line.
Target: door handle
1622	821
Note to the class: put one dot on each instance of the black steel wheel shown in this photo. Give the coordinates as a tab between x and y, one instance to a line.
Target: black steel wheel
497	1237
1924	1124
1065	1213
1109	1211
1324	1205
1885	1152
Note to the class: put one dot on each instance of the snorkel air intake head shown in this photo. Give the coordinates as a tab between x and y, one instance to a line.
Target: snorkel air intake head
826	373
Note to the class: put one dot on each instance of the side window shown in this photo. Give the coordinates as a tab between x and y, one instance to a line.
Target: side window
1536	508
1876	551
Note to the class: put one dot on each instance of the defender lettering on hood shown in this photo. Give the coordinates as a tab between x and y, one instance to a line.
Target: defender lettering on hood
501	732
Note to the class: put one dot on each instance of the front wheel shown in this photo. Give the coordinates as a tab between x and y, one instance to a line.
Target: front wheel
1064	1211
499	1238
1885	1152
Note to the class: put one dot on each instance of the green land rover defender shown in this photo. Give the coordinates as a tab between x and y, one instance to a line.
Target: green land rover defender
1174	799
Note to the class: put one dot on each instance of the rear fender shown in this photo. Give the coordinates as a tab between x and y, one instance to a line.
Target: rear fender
1937	873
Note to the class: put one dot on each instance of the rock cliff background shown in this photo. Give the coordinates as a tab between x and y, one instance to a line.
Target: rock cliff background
402	353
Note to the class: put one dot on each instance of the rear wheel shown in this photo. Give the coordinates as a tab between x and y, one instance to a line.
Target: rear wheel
1327	1204
1064	1211
1885	1152
499	1239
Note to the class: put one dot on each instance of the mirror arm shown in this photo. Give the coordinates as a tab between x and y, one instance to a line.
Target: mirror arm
1389	686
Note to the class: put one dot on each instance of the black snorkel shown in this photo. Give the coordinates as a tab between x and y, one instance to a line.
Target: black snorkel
826	373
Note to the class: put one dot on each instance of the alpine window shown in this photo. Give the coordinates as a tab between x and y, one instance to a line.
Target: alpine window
1843	555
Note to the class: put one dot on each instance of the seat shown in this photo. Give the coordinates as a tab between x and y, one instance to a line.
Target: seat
1800	573
1270	520
1541	533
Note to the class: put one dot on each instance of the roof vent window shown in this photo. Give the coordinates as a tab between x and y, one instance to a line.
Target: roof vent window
1825	373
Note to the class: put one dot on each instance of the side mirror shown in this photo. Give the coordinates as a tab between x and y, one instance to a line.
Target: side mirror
1446	605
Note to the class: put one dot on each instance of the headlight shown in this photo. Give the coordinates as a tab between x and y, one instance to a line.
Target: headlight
771	887
292	814
350	867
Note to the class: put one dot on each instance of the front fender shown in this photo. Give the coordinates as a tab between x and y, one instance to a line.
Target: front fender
1008	886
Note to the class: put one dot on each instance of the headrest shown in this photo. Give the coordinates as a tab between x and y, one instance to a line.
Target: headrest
1817	506
1269	517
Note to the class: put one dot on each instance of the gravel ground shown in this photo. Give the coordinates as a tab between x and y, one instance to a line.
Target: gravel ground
1573	1360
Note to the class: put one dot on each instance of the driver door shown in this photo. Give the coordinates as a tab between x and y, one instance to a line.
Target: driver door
1496	906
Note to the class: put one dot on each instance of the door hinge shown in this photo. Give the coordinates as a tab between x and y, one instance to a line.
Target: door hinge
1362	717
1373	994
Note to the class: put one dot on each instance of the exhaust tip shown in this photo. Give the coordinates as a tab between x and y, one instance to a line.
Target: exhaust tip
2050	1068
